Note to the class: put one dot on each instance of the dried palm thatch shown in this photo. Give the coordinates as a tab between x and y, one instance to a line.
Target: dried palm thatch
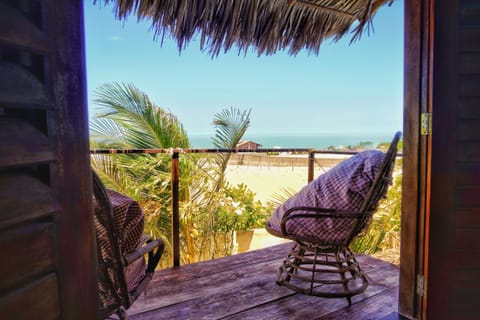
265	25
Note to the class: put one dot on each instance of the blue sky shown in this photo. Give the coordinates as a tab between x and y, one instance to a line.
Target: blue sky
347	88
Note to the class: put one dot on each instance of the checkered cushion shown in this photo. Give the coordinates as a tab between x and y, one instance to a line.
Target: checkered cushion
344	188
129	220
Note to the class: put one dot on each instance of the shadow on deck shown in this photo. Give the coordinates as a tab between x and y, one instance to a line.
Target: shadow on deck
243	287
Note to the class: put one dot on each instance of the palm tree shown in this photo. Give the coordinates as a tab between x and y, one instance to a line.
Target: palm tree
231	126
127	118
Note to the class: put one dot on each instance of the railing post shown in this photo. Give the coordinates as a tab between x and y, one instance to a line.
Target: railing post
175	211
311	164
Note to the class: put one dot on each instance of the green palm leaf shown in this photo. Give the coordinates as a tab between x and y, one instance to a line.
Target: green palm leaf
231	125
143	124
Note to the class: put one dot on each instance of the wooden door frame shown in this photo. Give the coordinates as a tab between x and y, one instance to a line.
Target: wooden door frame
416	155
417	68
75	227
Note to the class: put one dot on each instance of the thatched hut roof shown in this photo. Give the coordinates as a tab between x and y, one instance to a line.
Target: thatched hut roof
265	25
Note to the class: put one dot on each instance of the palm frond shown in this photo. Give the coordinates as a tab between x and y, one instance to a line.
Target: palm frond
231	125
282	196
105	132
144	125
112	173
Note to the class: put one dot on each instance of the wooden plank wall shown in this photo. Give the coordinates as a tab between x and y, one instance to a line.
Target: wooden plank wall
47	268
466	222
454	267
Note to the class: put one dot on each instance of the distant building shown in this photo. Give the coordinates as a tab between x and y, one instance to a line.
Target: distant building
248	145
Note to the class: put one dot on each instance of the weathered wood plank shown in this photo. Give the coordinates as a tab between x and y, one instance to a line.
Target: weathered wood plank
37	300
469	13
244	288
194	270
166	282
300	306
469	39
467	281
36	199
213	284
191	272
18	87
416	99
468	130
466	238
251	300
21	143
392	316
71	174
462	306
467	218
28	252
469	108
467	174
219	296
16	29
468	151
467	197
469	85
470	63
373	308
467	258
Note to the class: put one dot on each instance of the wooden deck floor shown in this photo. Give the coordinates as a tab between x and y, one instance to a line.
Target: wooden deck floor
243	287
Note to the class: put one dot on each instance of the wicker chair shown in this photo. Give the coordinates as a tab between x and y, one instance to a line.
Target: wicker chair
321	263
124	272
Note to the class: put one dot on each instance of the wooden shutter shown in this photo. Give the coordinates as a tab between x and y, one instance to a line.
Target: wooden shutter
48	261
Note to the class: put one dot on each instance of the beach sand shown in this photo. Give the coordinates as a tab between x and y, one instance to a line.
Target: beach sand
267	176
266	181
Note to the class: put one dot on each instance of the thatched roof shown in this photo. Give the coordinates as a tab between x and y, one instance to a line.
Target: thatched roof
265	25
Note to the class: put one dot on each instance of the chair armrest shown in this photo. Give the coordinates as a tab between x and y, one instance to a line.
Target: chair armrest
147	245
318	213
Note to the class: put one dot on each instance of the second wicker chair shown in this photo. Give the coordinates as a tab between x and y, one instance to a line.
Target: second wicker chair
321	262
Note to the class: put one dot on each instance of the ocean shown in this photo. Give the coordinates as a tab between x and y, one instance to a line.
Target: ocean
298	140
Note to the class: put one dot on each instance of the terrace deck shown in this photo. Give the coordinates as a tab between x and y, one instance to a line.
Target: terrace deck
243	287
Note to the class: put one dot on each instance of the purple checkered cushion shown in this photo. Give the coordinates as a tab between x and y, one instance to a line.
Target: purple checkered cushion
129	220
344	188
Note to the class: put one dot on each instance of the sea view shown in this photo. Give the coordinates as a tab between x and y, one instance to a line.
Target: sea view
300	140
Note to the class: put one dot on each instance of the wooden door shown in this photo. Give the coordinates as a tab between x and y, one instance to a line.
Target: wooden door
47	267
453	274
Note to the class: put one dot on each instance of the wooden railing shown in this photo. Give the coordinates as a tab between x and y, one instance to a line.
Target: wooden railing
175	154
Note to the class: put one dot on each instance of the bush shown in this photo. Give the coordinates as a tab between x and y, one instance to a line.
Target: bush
240	211
383	232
